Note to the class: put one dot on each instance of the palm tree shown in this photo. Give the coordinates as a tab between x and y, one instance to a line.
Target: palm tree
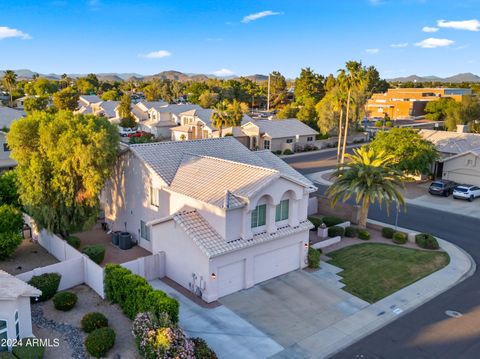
236	111
350	79
370	177
9	81
338	102
221	116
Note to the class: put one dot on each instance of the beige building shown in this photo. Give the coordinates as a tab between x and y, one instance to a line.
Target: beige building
463	168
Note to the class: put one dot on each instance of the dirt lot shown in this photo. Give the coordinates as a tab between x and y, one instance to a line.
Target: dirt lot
51	323
28	256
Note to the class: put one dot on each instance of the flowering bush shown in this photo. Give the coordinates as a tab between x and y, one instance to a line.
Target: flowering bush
159	338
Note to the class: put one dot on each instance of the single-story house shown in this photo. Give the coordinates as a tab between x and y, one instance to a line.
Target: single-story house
463	168
226	217
87	100
15	314
6	162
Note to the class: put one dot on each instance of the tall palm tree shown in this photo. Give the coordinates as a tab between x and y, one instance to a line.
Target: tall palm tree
221	116
370	177
9	81
338	102
236	111
350	79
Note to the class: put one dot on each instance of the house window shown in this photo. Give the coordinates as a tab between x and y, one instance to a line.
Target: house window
281	212
266	144
154	197
3	336
17	326
290	140
309	139
144	231
259	216
6	148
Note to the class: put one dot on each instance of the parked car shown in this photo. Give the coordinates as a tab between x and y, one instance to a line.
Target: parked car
139	134
126	131
466	191
442	188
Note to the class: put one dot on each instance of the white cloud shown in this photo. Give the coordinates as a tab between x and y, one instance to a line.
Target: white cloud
400	45
433	42
375	2
372	51
469	25
259	15
157	54
223	72
7	32
429	29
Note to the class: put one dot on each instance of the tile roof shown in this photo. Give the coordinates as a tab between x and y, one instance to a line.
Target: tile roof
284	128
212	244
182	128
12	288
109	107
452	142
88	99
223	183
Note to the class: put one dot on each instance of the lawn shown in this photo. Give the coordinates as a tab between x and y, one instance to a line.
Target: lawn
372	271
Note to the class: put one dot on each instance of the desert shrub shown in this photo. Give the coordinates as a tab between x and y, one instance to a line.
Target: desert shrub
47	283
92	321
64	301
288	152
73	241
336	231
364	234
351	232
332	221
11	223
427	241
100	341
96	252
134	295
202	350
387	232
399	238
317	222
313	258
29	349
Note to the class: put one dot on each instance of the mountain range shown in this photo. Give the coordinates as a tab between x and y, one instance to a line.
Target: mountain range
463	77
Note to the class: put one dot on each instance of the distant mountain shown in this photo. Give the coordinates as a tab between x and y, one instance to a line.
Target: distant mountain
465	77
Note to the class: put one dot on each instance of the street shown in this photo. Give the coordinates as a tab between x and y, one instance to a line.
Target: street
427	332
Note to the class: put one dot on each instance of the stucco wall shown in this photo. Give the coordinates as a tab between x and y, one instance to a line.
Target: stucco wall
7	312
463	169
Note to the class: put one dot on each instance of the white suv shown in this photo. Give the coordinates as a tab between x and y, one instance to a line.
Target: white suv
467	192
125	131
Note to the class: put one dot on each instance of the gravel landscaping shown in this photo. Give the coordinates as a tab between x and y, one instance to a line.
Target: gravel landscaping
28	256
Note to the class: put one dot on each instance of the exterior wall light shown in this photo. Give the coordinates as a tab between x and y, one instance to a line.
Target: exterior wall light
214	276
305	245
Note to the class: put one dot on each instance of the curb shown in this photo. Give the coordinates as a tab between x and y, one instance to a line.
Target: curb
323	150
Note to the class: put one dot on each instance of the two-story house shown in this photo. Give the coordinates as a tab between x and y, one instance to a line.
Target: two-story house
226	218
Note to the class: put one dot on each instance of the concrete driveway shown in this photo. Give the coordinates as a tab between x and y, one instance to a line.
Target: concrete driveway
293	307
448	204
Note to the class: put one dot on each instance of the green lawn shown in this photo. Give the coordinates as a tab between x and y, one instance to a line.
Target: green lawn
372	271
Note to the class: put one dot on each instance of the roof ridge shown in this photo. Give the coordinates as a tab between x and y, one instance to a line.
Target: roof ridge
171	141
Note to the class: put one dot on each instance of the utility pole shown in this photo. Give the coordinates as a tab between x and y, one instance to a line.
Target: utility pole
268	94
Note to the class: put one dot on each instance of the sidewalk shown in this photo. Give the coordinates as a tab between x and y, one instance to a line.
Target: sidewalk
344	333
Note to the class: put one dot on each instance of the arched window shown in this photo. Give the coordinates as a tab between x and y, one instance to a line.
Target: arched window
17	326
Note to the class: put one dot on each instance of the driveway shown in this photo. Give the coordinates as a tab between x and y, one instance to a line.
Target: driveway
448	204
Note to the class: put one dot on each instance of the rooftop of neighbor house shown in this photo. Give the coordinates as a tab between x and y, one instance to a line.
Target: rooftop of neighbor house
212	244
8	115
165	158
109	107
452	142
284	128
90	99
12	288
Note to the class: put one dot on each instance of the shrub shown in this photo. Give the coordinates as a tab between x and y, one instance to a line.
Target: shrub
73	241
399	238
313	258
96	252
427	241
202	350
64	301
11	223
298	148
378	123
331	221
100	341
336	231
30	348
9	241
351	232
288	152
92	321
388	124
158	338
134	295
387	232
364	234
7	355
317	222
47	283
278	152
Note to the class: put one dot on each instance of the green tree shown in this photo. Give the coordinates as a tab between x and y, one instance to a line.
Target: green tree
10	81
9	189
66	99
410	152
86	85
370	177
308	86
208	99
437	110
63	163
41	87
307	113
35	104
330	111
222	116
11	223
288	111
463	113
111	95
278	89
236	110
125	107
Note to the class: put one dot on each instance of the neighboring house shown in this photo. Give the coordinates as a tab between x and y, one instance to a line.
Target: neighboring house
8	115
107	109
226	217
5	161
19	103
87	100
463	168
140	109
275	135
15	315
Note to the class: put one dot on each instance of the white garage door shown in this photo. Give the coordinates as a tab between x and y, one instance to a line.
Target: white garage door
464	178
231	278
278	262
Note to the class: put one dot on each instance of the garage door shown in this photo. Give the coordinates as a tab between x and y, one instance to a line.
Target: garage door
278	262
231	278
464	178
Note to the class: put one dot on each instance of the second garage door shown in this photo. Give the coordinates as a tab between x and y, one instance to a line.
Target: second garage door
278	262
231	278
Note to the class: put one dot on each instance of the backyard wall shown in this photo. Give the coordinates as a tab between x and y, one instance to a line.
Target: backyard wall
342	210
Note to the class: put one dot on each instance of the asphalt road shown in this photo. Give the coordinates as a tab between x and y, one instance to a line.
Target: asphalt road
315	162
427	332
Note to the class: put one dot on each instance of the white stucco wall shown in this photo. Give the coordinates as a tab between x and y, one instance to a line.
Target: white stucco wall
463	169
7	312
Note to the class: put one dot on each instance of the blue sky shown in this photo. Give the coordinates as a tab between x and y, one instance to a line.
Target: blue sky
399	37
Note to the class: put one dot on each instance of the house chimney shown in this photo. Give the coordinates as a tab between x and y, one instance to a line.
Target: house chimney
462	128
226	200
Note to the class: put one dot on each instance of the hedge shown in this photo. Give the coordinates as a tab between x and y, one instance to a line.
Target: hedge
73	241
336	231
100	341
64	301
317	222
427	241
202	350
400	238
96	252
351	232
332	221
29	349
387	232
7	355
47	283
288	152
313	258
134	295
92	321
364	235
